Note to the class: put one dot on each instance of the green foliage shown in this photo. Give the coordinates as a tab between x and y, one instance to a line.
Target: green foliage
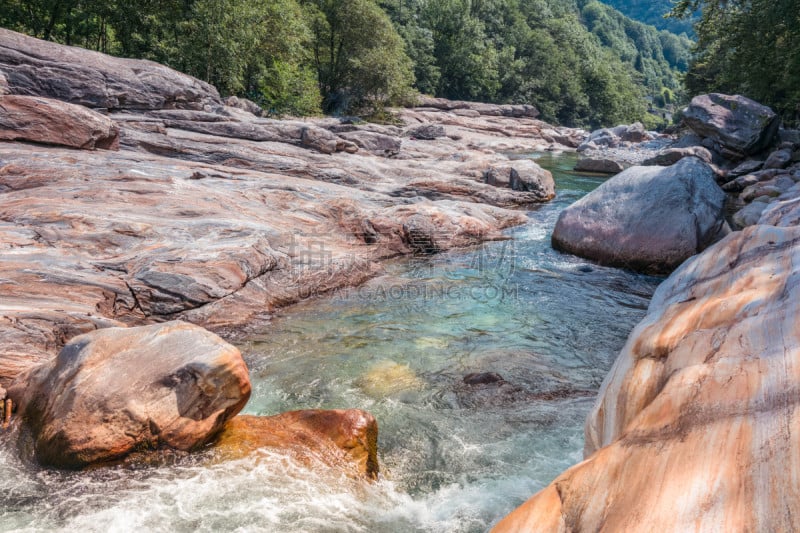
749	47
359	57
654	13
579	61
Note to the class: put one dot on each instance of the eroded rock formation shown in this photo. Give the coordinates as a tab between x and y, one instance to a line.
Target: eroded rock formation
694	429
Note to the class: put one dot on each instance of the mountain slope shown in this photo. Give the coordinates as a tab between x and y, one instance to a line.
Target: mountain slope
652	12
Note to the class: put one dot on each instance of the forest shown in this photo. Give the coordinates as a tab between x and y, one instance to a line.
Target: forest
580	62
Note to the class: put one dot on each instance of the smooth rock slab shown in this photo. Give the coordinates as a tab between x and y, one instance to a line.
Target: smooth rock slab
119	390
341	438
40	68
695	428
43	120
649	219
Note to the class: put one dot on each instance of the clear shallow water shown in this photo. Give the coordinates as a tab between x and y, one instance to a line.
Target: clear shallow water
454	457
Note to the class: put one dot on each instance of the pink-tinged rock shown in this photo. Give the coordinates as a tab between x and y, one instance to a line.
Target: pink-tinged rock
346	439
118	390
696	425
42	120
41	68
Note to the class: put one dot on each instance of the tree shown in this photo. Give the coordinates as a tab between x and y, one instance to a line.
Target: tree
750	47
359	57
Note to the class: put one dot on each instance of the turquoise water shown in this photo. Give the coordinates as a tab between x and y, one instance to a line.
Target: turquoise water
455	457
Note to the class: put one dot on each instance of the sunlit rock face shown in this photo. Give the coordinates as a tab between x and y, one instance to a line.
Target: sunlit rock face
341	438
694	429
119	390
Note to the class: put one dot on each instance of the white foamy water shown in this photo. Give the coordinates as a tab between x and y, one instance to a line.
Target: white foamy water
454	458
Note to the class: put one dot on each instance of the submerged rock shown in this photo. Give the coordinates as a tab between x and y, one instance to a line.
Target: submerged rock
695	426
647	218
340	438
739	125
42	120
119	390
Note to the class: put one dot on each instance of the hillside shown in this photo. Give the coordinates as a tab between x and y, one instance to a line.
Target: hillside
581	63
652	12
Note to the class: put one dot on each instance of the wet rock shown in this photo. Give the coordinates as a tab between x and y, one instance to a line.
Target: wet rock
599	165
779	159
647	218
420	235
670	156
694	425
117	390
740	125
345	439
40	68
426	132
42	120
483	378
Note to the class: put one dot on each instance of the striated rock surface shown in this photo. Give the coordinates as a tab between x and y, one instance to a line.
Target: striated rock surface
40	68
646	218
740	126
341	438
117	390
43	120
694	429
216	216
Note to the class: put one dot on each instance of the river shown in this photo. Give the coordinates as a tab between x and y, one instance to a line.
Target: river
454	457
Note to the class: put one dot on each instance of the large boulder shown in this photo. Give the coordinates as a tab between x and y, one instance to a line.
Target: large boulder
119	390
649	219
695	427
42	120
670	156
739	125
40	68
522	175
345	439
600	165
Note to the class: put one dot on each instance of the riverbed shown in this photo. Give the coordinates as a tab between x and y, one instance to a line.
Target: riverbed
455	457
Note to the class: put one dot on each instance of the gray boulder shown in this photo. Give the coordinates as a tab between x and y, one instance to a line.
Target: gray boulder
599	165
40	68
648	219
739	125
522	175
779	159
670	156
118	390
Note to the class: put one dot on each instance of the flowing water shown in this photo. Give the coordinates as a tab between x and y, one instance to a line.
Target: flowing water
454	457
